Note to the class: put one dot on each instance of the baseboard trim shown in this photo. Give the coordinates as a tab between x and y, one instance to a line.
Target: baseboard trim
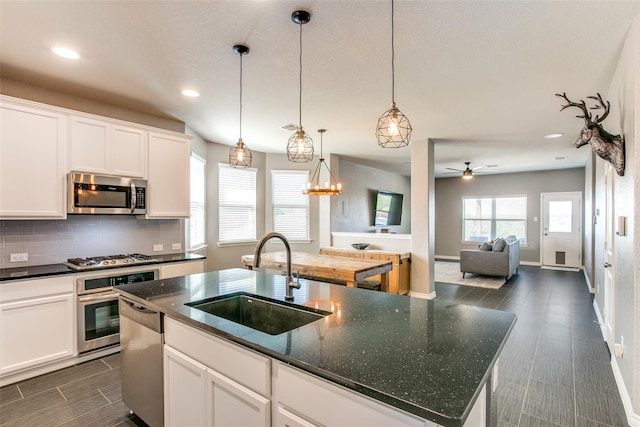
438	257
457	258
592	290
548	267
632	418
422	295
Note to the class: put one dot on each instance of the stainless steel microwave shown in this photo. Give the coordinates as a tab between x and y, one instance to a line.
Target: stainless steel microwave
106	194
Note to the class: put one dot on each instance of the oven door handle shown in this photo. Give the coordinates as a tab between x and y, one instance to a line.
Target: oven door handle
101	297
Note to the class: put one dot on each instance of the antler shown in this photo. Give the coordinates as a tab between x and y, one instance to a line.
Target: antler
599	107
581	105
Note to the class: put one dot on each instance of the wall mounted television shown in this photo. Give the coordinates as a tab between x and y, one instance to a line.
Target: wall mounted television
388	208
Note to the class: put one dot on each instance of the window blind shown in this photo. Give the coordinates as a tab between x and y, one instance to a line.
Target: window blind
197	203
290	208
237	204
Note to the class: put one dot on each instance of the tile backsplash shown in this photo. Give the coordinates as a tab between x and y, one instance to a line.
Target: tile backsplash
79	236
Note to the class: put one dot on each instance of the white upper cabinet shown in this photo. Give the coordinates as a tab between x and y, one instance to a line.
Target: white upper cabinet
168	185
40	144
32	161
105	147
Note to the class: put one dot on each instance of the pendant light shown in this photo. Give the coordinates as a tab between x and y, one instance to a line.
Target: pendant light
394	129
300	145
331	187
239	155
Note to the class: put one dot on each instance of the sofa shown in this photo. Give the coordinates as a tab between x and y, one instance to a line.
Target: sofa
498	258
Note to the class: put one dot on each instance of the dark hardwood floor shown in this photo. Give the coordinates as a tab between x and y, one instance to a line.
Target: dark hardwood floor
554	370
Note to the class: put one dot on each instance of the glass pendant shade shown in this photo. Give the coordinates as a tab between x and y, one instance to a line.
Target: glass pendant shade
300	147
329	188
240	155
467	174
394	129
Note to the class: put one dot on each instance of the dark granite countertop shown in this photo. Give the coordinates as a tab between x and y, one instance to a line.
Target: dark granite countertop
428	358
36	271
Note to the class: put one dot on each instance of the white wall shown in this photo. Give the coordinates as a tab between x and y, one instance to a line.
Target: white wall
228	256
624	118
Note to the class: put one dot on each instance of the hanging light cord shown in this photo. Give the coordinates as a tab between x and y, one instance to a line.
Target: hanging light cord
241	95
393	71
300	99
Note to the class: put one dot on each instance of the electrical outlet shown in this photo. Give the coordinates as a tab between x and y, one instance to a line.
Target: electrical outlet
19	257
158	248
176	246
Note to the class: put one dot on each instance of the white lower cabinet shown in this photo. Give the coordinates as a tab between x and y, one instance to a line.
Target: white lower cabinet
37	323
181	269
230	404
185	383
315	401
287	419
212	382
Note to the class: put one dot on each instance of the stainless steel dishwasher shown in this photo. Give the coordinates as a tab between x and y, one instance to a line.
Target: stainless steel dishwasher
141	350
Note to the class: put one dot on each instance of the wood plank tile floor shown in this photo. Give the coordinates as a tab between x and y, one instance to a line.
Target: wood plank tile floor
82	395
554	370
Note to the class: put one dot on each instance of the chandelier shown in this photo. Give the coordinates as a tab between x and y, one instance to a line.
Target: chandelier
330	187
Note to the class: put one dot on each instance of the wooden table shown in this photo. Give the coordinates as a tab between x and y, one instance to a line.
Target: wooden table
325	267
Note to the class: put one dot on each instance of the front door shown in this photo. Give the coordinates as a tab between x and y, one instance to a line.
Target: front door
562	230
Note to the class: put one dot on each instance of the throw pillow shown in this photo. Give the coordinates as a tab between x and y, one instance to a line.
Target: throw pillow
485	247
499	244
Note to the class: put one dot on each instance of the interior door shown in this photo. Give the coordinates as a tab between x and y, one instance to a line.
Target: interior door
562	230
608	257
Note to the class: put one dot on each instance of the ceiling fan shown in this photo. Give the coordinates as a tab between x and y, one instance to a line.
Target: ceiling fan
468	172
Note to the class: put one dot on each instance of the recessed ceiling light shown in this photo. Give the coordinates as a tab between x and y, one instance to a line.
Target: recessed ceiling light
553	135
66	52
190	93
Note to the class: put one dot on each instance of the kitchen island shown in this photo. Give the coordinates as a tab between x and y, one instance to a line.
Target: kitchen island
377	358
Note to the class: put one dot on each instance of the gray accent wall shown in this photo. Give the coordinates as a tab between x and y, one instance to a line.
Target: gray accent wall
448	205
353	210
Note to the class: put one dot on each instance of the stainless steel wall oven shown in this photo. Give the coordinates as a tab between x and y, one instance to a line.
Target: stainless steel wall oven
98	317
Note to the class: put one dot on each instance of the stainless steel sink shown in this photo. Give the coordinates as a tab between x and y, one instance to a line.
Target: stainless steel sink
264	314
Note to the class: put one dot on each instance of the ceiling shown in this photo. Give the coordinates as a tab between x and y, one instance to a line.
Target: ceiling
477	77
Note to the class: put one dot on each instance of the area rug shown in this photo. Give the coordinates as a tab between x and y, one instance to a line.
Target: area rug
449	272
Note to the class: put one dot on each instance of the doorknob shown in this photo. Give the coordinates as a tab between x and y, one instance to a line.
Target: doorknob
607	265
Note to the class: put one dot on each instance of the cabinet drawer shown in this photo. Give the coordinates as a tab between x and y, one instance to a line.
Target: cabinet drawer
181	269
244	366
34	288
384	257
310	396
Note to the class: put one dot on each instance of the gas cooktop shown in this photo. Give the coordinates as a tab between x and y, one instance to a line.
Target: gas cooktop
93	263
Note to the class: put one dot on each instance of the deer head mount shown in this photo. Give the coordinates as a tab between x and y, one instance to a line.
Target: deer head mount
607	146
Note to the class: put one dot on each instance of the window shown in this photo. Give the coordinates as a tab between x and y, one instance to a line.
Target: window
196	227
290	208
487	218
237	204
